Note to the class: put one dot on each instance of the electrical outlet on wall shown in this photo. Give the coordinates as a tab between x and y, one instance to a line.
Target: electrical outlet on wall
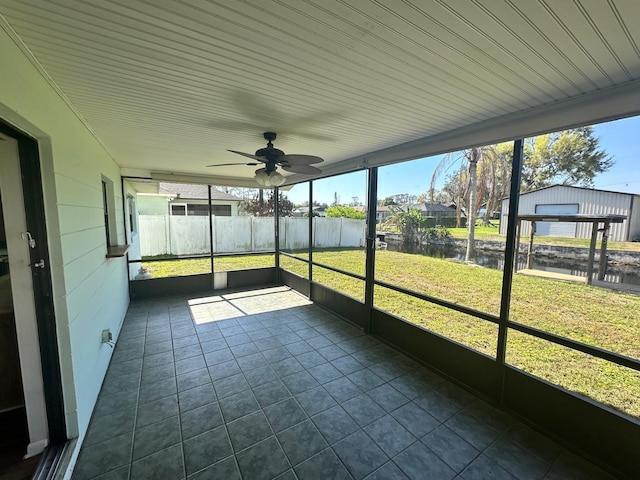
107	336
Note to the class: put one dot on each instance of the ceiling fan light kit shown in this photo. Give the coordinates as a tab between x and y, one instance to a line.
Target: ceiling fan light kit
264	179
268	176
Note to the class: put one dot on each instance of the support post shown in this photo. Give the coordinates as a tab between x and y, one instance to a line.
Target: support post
592	252
530	250
211	236
517	252
602	268
310	236
370	263
276	238
509	254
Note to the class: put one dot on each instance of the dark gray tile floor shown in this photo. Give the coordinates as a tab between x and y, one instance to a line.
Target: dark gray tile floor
263	384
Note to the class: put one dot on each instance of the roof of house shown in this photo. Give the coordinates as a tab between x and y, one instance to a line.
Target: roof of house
573	186
306	209
194	192
423	207
438	207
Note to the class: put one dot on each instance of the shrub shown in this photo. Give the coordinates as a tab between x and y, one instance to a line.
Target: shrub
346	212
438	233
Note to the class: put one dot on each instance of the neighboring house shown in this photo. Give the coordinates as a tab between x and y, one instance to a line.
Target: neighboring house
382	213
320	211
564	199
186	199
435	210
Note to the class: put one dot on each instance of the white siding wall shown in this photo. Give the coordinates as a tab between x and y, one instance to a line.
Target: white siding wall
90	291
592	202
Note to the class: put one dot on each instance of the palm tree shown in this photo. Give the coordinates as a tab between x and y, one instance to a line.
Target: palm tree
487	161
410	222
473	157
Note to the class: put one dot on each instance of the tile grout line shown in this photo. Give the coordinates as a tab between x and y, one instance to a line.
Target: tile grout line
224	423
173	349
135	415
335	337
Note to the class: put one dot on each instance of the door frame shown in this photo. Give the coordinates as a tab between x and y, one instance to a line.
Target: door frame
33	199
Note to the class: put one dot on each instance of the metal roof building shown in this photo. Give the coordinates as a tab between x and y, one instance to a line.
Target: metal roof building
564	199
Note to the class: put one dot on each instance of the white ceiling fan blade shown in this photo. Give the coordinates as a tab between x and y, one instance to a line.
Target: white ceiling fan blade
251	164
305	169
300	159
249	155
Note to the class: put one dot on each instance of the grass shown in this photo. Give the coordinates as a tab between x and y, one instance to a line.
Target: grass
491	234
178	268
600	317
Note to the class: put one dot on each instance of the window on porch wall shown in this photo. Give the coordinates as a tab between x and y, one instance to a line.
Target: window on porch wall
602	315
339	232
422	247
170	237
251	231
294	229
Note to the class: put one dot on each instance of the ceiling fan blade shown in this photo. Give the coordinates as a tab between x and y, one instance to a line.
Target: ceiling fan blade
300	159
305	169
251	164
249	155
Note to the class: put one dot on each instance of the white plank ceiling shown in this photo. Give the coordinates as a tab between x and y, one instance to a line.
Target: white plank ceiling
170	85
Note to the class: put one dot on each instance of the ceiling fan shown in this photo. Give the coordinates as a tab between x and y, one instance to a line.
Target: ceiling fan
272	157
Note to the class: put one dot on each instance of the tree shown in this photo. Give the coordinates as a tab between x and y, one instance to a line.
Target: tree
435	196
259	208
345	212
571	157
467	187
241	192
387	201
410	222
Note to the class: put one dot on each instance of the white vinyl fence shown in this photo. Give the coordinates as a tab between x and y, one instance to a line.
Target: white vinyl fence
185	235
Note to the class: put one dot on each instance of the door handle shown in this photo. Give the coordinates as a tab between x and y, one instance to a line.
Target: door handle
27	236
39	264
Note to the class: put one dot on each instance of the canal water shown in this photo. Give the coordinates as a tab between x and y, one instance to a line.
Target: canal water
490	259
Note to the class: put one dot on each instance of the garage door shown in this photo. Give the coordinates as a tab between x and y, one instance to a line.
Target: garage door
556	229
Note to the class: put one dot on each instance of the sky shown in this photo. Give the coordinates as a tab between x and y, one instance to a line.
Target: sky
619	139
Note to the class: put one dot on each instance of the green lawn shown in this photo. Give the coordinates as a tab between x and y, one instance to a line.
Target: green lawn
491	234
178	268
607	319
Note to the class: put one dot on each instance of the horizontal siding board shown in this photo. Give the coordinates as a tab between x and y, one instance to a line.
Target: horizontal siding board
95	288
77	218
78	244
77	192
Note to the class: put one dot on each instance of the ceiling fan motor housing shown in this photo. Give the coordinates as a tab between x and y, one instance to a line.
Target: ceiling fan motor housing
272	157
269	153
